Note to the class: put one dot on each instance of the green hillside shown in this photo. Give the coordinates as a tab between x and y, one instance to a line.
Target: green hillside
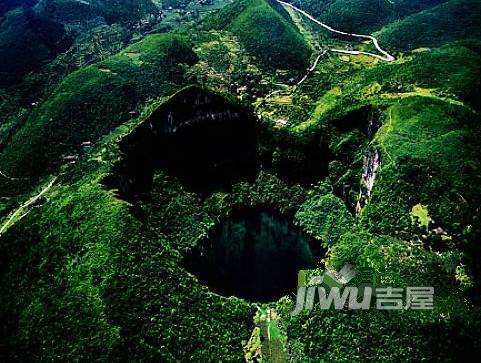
173	202
265	31
427	167
448	70
451	21
357	16
93	100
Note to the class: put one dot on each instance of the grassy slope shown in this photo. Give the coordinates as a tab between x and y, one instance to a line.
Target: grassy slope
93	100
453	70
115	284
431	156
266	32
445	334
433	85
355	16
109	266
360	16
454	20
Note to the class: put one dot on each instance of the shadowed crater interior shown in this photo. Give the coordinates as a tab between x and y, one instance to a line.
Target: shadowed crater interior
202	138
255	254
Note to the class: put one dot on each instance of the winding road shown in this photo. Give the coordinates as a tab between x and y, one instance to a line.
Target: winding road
385	55
310	70
24	209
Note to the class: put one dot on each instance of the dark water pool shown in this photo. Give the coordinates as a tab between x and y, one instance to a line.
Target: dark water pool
255	255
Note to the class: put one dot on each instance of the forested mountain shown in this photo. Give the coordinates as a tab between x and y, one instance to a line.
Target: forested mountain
7	5
26	41
184	180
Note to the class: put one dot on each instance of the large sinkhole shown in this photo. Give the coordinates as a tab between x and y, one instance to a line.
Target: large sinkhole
255	254
200	137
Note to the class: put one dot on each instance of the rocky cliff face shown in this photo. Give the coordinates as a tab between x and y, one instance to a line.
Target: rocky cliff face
200	137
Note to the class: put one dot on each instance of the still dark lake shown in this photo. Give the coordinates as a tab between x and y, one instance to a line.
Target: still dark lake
255	255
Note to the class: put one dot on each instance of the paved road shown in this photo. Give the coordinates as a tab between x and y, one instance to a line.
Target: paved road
310	70
385	55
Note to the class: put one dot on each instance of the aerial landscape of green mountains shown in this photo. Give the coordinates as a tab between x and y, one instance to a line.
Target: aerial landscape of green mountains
168	167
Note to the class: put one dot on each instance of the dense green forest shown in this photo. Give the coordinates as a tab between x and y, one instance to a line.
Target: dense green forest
173	173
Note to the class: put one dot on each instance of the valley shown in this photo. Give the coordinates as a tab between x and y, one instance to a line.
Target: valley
183	167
